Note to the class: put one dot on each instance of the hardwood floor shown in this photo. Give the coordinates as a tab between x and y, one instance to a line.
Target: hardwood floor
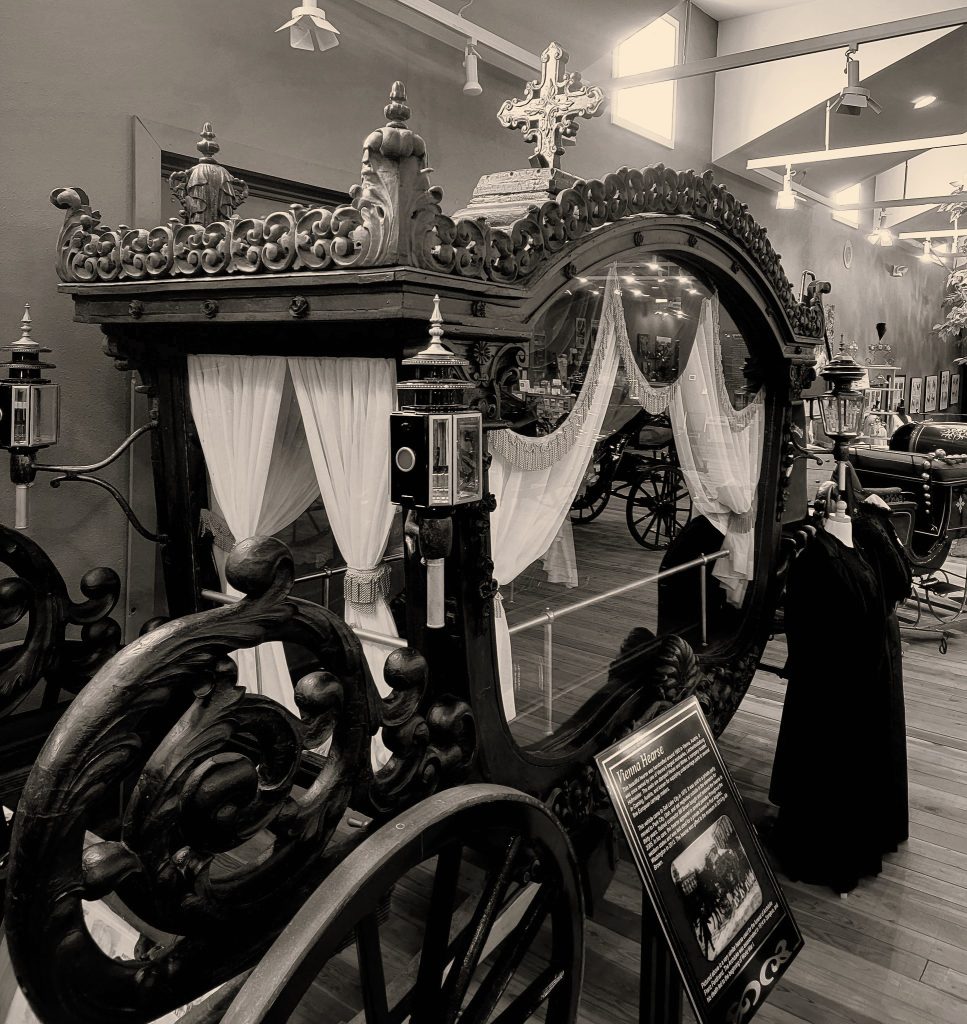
895	950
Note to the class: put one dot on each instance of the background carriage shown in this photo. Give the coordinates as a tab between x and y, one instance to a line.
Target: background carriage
237	836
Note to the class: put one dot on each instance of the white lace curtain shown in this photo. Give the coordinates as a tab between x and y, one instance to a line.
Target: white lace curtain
276	433
346	405
719	447
259	469
535	478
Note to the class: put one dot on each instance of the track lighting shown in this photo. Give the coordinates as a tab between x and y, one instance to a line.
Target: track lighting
881	235
309	29
471	86
786	199
853	98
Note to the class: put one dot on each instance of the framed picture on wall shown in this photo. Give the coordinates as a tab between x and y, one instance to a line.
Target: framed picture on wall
899	390
944	389
930	393
916	394
955	387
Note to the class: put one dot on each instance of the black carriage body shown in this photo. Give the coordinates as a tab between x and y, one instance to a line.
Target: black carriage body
927	463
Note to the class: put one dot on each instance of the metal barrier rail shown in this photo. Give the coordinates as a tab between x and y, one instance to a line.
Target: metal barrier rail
548	617
217	597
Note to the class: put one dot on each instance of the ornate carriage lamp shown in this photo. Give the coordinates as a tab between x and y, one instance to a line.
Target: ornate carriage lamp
29	412
436	446
843	408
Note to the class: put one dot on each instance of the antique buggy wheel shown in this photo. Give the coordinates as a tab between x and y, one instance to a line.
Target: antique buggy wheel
526	906
658	507
588	506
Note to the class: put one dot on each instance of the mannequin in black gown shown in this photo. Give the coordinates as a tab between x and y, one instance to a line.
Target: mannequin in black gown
839	776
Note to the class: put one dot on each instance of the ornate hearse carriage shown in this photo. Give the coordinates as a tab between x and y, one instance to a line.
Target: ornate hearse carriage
250	844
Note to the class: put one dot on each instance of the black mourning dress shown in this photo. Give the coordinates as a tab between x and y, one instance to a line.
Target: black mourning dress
839	776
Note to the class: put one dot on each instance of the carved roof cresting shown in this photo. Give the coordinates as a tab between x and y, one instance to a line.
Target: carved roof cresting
550	108
395	219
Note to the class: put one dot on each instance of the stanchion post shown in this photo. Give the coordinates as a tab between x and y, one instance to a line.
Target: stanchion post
660	988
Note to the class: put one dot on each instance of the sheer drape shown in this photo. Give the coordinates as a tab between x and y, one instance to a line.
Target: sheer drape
235	403
346	406
720	451
535	479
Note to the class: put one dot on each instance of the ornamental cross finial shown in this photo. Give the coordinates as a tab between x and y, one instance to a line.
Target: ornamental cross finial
549	110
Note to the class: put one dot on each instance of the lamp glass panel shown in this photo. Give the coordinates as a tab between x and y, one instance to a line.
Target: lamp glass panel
843	412
44	413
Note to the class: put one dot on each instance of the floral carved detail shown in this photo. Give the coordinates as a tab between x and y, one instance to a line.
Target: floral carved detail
395	218
210	765
432	741
37	593
954	433
207	188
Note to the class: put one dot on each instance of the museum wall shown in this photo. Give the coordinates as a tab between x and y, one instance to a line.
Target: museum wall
74	77
865	294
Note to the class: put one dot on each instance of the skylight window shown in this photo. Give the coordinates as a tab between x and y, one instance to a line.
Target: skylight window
848	195
648	110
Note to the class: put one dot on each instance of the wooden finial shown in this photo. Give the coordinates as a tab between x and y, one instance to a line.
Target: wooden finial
206	144
397	111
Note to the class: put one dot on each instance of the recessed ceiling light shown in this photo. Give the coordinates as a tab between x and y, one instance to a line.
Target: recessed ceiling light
583	280
923	101
661	300
654	266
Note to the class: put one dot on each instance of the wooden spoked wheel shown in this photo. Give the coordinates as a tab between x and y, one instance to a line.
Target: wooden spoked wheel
658	506
466	908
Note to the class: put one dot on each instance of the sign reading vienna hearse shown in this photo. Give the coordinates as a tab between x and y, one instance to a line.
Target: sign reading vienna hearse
719	905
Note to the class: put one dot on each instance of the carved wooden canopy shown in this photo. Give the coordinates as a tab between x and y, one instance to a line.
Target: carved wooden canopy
395	220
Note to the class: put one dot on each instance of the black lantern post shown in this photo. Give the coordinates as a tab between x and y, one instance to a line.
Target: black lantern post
436	445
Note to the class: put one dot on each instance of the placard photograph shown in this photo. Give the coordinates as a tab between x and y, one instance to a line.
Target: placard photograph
930	393
718	888
955	387
916	394
944	389
899	390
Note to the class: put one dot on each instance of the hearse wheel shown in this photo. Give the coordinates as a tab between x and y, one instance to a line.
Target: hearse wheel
480	878
658	507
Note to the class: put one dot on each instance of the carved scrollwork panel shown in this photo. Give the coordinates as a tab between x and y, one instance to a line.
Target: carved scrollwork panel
208	767
38	593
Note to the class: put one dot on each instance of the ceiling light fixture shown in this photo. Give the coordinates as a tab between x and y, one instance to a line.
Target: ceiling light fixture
881	235
309	29
786	199
471	86
654	266
929	256
853	98
661	300
923	101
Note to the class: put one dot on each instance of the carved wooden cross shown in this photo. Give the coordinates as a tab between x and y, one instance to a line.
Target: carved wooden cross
547	114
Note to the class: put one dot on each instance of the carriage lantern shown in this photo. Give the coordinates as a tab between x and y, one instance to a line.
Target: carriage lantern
29	412
436	446
843	406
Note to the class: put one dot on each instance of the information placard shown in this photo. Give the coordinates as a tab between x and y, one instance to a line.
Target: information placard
719	905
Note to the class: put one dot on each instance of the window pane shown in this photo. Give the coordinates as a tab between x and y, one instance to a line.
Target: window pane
647	108
654	46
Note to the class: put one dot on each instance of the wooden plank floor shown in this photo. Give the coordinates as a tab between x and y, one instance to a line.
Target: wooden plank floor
895	950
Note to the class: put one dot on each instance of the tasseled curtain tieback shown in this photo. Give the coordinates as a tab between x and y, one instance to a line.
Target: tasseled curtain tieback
367	586
742	522
211	524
